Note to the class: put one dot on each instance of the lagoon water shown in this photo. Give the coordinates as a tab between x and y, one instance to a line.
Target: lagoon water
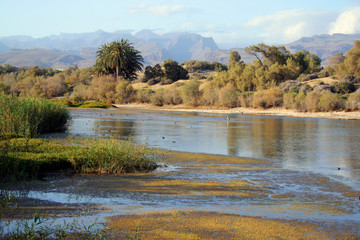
277	167
301	144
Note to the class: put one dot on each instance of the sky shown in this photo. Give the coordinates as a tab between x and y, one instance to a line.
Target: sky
232	23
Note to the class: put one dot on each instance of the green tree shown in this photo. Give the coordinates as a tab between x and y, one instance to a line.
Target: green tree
155	72
174	71
352	60
234	59
308	63
119	58
334	62
269	54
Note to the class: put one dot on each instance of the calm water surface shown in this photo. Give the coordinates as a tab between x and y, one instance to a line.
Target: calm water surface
293	171
301	144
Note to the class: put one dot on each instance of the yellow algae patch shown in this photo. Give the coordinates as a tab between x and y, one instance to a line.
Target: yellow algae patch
352	194
283	196
186	187
188	183
228	168
214	225
201	158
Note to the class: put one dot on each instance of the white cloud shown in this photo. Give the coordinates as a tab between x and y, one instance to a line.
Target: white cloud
163	10
348	22
287	26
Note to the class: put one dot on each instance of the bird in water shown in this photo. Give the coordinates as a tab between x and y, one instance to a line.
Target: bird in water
227	118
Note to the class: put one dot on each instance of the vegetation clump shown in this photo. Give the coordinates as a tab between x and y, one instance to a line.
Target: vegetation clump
30	117
24	158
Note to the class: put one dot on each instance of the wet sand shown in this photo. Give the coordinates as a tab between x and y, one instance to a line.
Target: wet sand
246	111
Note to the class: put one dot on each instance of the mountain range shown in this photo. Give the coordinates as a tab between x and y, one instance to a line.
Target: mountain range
65	50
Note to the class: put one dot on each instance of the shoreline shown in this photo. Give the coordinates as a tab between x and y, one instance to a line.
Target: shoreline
281	112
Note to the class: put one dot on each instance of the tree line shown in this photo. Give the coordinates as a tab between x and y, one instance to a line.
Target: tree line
276	78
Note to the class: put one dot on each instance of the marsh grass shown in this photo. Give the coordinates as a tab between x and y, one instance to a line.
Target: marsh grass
29	117
113	156
24	158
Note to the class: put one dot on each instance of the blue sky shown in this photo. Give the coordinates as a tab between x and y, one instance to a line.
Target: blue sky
232	23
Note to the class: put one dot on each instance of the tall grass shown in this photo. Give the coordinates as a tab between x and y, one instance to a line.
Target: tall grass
24	158
112	156
29	117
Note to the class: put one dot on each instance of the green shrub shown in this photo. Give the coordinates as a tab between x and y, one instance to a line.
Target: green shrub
330	102
190	93
343	87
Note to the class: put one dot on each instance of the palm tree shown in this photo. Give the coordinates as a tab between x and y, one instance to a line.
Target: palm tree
119	58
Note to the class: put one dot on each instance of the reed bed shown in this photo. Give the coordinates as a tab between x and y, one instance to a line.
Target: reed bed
30	117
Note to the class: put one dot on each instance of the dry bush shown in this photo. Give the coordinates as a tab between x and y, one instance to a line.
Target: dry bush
80	93
53	86
124	92
271	97
209	95
312	101
289	100
143	95
295	101
172	96
157	98
353	102
102	89
245	99
23	87
228	96
190	93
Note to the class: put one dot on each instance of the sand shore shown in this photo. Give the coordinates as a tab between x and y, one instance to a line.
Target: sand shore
355	115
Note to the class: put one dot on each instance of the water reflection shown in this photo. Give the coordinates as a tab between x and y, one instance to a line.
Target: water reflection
317	145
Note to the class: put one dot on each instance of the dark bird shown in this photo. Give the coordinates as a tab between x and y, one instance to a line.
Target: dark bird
338	169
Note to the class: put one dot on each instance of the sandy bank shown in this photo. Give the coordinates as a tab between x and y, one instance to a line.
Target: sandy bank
247	111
